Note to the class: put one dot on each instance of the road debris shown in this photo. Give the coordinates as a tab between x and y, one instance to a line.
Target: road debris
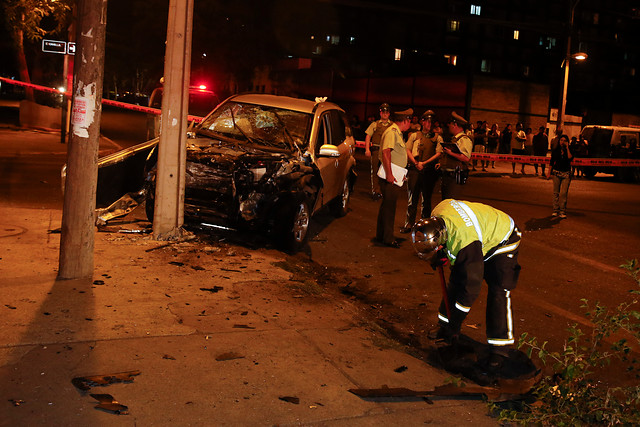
290	399
16	402
109	404
212	290
228	356
400	369
85	383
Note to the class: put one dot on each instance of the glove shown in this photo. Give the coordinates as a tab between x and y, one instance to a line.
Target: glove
440	259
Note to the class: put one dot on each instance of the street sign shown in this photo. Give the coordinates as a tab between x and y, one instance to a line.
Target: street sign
71	48
54	46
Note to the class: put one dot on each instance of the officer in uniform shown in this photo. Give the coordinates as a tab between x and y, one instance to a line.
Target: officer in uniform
421	176
393	151
372	146
480	242
454	166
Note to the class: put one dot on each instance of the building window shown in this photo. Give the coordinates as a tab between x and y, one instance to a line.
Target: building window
526	70
516	34
475	10
335	40
317	50
548	42
596	18
352	40
398	55
451	59
453	25
485	66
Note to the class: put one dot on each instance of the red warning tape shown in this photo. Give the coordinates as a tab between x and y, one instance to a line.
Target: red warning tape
126	106
577	161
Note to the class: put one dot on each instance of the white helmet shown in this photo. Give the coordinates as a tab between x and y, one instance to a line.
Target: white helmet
428	235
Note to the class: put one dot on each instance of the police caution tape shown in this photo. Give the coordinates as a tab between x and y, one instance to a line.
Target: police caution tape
540	160
124	105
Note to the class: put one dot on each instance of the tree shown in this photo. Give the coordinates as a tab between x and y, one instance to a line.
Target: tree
31	20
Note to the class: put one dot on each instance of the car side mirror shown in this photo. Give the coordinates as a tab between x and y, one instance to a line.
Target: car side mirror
329	150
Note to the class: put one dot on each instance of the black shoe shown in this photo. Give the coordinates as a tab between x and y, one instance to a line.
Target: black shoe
442	334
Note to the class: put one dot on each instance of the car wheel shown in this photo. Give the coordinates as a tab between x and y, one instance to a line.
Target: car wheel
295	225
340	204
589	172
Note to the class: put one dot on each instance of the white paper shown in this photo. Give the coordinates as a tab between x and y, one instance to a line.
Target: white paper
399	173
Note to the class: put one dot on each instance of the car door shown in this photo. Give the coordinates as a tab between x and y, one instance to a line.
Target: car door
333	169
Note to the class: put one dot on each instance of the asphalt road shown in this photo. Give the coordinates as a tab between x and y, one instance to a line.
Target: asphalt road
563	260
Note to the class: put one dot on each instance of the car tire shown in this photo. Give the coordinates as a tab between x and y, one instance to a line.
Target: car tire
294	225
340	204
589	172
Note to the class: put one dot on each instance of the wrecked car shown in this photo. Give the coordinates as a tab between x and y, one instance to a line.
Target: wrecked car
257	162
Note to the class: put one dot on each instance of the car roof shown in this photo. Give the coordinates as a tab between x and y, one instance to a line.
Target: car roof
618	128
285	102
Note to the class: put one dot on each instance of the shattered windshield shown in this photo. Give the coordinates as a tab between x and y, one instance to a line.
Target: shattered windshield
260	124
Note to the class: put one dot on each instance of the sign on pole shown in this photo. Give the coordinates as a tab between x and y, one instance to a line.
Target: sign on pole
54	46
71	48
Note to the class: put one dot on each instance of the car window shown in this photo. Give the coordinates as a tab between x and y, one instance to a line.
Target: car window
338	127
274	127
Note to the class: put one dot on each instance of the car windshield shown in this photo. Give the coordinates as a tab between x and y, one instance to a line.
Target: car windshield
260	124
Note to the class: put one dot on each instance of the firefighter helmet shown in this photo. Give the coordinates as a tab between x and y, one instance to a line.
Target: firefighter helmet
428	235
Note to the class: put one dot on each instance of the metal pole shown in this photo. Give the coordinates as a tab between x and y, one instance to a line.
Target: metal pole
567	60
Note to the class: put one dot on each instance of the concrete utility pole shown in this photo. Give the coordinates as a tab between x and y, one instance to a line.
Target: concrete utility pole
78	218
170	180
567	61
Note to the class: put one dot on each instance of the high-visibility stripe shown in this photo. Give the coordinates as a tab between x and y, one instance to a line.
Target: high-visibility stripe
504	249
443	318
509	340
474	219
462	307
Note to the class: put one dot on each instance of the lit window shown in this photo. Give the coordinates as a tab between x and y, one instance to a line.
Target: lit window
596	18
475	10
352	40
526	70
317	50
398	55
516	34
335	40
548	42
485	66
453	25
328	38
313	37
451	59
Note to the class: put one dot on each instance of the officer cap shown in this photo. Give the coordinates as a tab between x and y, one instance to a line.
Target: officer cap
399	116
385	107
428	115
457	118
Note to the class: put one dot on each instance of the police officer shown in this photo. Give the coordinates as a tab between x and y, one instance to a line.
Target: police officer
421	176
372	146
393	151
480	242
454	165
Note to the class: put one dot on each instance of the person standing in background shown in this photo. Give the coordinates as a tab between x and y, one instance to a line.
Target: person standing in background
560	171
540	148
493	139
372	146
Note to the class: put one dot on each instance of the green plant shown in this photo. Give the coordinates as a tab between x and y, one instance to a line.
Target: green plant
572	394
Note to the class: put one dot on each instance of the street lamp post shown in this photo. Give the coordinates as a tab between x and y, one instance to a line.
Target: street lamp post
566	62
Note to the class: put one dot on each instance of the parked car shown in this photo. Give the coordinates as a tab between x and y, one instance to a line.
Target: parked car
256	162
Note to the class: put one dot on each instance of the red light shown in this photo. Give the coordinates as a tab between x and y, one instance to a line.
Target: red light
202	87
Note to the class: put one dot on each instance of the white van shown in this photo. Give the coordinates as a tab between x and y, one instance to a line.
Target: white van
614	142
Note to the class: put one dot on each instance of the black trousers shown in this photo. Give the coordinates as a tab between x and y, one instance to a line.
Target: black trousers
448	186
501	273
387	211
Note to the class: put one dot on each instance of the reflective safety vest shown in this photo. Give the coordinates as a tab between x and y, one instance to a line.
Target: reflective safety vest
468	222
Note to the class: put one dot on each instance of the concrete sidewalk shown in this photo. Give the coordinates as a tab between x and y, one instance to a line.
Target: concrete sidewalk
221	335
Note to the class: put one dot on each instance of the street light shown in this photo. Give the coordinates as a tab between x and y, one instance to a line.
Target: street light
580	56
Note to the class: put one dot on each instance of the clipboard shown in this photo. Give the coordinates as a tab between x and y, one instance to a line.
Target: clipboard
451	146
399	173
